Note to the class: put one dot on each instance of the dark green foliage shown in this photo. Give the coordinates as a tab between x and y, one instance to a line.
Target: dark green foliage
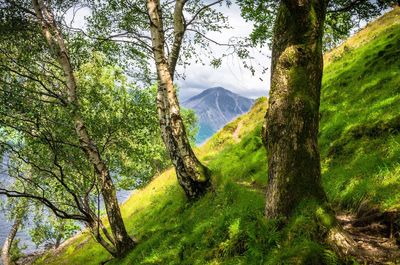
338	25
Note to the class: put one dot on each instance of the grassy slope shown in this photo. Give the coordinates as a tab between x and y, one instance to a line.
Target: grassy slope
360	149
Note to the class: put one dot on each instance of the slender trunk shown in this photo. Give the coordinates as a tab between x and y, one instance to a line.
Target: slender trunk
96	233
192	175
292	118
51	32
58	241
5	252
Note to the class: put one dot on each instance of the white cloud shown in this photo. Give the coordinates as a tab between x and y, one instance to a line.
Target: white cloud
231	74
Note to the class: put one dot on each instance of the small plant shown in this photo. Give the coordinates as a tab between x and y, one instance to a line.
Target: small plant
16	250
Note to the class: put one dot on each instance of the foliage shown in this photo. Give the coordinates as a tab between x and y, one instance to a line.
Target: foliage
125	28
191	124
50	231
16	251
170	231
342	17
45	161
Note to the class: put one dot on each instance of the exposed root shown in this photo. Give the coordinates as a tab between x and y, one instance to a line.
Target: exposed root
372	238
341	241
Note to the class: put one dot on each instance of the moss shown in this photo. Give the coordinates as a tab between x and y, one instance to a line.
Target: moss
204	173
327	219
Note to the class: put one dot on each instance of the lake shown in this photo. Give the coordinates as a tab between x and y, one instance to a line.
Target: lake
23	235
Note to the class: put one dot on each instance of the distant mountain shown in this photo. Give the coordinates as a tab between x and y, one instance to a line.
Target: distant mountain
215	107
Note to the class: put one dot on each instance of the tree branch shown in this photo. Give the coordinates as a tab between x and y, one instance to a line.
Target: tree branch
201	10
347	7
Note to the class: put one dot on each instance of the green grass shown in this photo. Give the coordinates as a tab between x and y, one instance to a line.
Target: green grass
360	125
360	150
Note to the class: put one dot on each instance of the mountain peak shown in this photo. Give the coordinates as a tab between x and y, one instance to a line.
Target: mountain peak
209	91
217	88
215	107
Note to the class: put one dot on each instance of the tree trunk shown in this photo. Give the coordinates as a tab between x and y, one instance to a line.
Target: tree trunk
192	175
5	252
123	243
95	228
292	118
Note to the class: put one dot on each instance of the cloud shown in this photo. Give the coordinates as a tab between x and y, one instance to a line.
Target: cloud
231	74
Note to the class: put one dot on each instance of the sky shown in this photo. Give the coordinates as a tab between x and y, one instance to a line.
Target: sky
231	74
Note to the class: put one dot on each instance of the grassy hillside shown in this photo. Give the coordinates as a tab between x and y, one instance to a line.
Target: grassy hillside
360	149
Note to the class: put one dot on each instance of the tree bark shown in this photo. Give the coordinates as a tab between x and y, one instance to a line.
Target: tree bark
292	119
123	243
192	175
5	252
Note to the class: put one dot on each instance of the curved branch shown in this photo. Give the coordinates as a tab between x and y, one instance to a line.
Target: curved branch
58	212
347	7
201	10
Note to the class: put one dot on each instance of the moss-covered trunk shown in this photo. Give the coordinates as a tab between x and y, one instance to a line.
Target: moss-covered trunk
192	175
292	118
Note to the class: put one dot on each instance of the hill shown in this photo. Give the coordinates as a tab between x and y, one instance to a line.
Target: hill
215	107
360	151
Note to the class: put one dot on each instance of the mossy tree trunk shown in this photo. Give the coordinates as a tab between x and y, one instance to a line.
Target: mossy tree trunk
292	118
192	175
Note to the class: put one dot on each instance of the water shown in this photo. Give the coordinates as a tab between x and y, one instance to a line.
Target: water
23	234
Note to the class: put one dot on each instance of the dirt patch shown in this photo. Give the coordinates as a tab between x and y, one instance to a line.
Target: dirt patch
376	236
235	134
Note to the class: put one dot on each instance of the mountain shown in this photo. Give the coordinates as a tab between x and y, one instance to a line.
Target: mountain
215	107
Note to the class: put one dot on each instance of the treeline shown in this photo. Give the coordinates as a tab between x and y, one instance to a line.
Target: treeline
87	110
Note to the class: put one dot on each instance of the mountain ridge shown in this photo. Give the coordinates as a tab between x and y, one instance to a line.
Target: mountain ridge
215	107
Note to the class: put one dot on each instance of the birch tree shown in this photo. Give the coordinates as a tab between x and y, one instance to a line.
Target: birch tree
168	34
70	119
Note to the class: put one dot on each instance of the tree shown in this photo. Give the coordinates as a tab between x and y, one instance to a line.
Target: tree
69	119
5	251
167	33
19	211
53	35
193	176
292	118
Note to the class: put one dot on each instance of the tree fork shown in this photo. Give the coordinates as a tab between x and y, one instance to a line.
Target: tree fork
192	175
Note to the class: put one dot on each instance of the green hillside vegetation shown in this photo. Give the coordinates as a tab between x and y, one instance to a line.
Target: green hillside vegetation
360	151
